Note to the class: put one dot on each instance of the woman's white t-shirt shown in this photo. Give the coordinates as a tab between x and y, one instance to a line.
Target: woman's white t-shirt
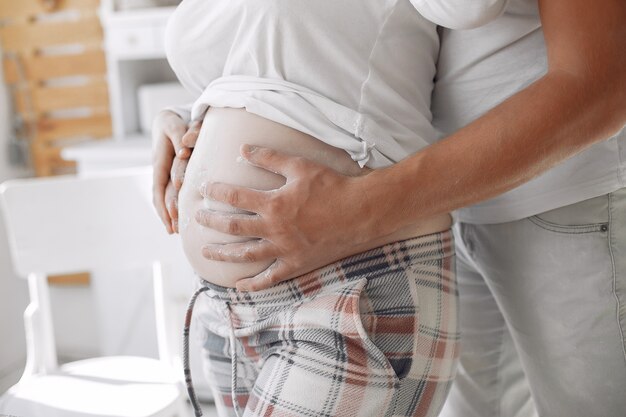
356	74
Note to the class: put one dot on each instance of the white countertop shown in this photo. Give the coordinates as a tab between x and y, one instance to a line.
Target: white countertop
110	154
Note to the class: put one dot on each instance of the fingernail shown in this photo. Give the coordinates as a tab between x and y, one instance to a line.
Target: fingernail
249	148
206	252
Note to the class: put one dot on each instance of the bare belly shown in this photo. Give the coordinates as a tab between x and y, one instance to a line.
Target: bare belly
216	158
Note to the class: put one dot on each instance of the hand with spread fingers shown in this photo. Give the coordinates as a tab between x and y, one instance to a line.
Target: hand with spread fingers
173	141
287	222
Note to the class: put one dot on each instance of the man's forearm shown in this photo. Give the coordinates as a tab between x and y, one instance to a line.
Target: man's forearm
555	118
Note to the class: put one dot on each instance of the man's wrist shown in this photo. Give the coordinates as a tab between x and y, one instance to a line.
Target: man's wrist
381	193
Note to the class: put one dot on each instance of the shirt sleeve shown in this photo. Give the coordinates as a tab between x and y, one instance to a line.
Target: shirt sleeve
460	14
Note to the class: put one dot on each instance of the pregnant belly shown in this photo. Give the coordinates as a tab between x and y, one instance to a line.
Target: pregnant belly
216	158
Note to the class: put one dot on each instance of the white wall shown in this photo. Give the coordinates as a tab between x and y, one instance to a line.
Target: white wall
13	291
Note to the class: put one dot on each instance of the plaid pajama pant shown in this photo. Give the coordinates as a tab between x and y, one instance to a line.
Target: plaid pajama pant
374	334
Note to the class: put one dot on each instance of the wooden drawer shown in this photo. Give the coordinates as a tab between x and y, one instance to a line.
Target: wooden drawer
136	34
133	41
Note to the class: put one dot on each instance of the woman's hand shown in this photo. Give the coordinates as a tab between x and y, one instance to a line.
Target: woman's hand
173	143
317	217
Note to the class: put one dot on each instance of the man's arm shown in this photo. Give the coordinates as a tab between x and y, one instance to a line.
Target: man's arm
581	100
318	216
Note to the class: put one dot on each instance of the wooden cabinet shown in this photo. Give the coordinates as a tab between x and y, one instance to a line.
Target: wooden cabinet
135	56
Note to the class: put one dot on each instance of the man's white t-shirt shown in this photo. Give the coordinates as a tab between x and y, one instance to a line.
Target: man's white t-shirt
482	67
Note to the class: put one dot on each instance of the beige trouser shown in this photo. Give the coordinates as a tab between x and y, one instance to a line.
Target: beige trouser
543	314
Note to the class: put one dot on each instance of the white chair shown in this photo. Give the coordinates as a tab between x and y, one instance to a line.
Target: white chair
72	224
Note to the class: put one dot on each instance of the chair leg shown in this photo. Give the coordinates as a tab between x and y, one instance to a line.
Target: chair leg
40	345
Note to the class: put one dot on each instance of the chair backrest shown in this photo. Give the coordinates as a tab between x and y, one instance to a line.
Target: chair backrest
73	224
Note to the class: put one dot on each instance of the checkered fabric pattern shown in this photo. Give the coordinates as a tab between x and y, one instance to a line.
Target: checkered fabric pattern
374	334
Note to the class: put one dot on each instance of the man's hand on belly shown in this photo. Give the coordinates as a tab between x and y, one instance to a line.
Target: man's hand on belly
317	217
173	143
